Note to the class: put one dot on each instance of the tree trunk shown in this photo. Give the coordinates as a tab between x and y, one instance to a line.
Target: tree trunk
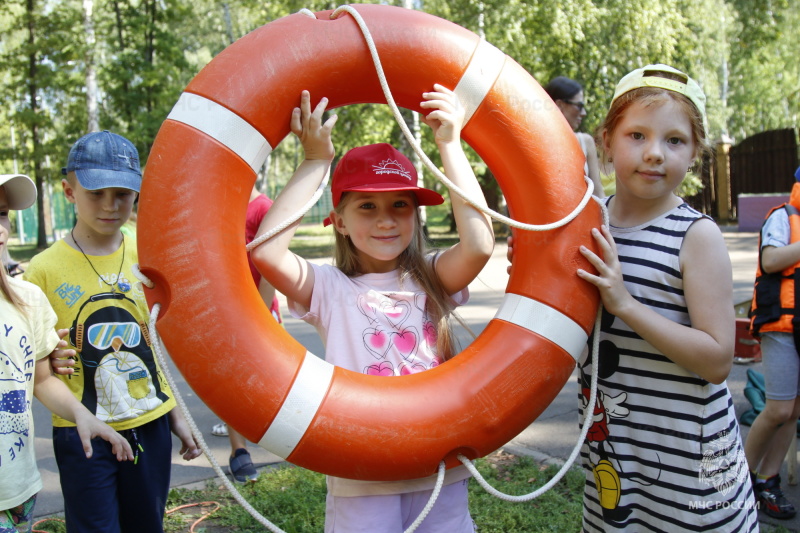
150	47
93	123
41	234
122	43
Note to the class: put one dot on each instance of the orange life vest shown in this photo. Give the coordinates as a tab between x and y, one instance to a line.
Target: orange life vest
775	294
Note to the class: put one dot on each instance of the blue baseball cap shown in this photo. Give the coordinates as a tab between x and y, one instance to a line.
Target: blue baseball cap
797	174
102	160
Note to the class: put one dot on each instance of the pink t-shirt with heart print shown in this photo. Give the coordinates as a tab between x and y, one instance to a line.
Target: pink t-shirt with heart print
372	323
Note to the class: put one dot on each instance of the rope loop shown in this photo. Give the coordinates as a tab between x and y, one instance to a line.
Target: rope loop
147	282
160	350
587	419
198	435
426	160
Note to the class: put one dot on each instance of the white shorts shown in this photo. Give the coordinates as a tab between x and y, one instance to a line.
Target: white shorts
394	513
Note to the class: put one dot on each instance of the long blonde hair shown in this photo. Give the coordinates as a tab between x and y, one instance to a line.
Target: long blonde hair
414	264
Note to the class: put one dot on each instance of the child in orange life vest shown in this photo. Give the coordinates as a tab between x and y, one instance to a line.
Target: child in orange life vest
665	448
381	264
27	338
773	311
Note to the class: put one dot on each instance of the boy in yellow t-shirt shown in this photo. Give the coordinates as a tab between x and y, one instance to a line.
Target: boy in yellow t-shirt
88	280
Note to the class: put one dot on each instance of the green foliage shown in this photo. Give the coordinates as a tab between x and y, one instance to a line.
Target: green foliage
50	525
692	184
294	500
743	52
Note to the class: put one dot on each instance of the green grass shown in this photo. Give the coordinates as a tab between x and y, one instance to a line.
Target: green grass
22	252
313	241
294	500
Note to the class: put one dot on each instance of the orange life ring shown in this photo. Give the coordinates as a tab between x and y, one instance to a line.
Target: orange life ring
246	368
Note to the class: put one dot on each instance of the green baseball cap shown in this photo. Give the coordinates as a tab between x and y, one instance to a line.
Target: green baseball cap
676	81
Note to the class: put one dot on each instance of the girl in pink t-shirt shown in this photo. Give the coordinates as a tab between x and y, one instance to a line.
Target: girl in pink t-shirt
383	309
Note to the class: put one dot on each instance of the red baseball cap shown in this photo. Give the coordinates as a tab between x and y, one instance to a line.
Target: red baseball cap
378	168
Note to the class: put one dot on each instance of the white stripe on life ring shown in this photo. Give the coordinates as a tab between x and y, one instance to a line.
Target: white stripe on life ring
478	79
545	321
223	125
302	403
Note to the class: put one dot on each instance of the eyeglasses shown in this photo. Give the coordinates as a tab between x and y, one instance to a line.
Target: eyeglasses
580	105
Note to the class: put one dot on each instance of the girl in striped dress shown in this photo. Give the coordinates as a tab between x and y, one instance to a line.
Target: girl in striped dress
664	453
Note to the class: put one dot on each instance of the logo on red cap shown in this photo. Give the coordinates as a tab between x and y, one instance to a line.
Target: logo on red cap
391	166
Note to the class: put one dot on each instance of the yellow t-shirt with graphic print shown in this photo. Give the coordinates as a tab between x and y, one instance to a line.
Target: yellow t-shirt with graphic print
116	375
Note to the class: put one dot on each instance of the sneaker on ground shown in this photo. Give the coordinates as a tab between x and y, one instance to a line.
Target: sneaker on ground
241	467
772	501
220	430
755	483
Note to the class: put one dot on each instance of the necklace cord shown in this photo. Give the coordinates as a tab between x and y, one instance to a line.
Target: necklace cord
121	264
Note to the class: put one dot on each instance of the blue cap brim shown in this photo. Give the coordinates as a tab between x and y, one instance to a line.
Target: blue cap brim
93	179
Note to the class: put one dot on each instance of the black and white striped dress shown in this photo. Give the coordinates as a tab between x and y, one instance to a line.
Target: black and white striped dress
665	447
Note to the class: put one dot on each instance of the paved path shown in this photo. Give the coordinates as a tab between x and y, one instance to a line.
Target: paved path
553	435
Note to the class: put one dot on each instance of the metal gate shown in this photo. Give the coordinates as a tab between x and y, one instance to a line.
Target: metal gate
764	163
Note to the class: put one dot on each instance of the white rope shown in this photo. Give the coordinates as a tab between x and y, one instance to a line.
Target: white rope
424	157
431	501
292	219
198	435
587	423
144	279
157	343
587	420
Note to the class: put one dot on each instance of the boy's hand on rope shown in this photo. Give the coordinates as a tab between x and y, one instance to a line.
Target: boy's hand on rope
447	117
314	134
